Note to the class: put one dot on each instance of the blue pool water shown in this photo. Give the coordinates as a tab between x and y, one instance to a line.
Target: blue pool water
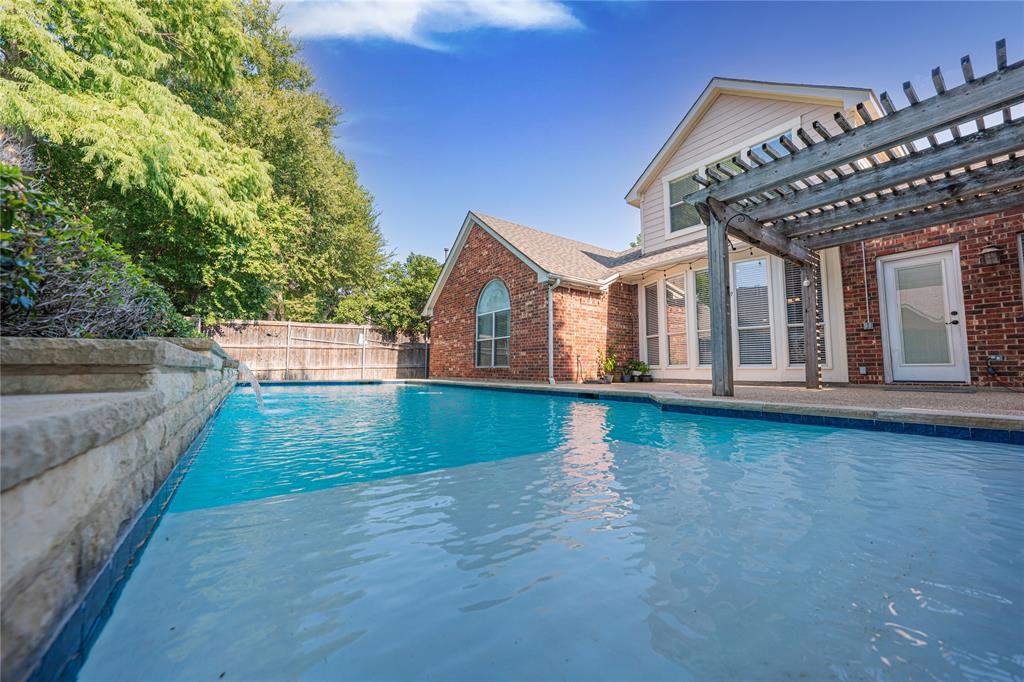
397	532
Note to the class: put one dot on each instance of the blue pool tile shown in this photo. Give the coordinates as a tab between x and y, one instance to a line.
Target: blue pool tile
991	435
915	429
850	423
888	426
961	432
1016	437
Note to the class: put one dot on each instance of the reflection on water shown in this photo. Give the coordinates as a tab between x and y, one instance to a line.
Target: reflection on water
510	536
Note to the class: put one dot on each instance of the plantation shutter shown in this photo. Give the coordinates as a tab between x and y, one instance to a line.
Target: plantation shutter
753	325
675	319
795	316
651	324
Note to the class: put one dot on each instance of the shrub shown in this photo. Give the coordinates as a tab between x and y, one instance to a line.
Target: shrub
60	278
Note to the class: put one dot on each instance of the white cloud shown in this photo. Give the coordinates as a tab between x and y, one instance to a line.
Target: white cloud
418	21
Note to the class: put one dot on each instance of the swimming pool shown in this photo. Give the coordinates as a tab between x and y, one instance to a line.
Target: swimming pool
404	531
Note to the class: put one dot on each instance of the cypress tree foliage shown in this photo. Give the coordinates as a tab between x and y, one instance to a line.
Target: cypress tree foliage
190	132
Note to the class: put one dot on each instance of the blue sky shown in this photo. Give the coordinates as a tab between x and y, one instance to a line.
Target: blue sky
545	113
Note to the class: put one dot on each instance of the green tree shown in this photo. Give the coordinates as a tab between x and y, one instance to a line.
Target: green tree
397	303
339	252
148	115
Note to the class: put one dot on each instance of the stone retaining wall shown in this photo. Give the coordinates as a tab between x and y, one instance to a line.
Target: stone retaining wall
90	430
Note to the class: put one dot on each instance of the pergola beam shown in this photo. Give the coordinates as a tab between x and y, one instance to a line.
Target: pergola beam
961	104
971	149
754	233
958	210
971	183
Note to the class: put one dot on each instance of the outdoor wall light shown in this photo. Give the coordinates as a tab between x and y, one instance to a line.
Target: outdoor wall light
992	255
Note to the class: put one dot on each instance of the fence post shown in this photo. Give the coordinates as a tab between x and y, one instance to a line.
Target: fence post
288	351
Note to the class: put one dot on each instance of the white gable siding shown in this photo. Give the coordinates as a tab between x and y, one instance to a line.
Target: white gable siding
731	120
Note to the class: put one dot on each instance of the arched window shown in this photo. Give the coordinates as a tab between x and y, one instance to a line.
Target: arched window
493	325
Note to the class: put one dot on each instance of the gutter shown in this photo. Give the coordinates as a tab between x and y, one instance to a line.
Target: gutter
552	285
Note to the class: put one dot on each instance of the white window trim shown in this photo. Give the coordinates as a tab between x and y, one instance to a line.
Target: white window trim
826	292
743	149
476	329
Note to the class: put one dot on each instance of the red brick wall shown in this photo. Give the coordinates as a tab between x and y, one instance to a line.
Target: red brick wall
586	323
993	307
453	327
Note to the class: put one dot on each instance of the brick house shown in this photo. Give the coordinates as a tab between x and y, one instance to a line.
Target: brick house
938	305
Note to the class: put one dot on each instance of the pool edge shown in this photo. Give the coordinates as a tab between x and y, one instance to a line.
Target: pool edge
63	658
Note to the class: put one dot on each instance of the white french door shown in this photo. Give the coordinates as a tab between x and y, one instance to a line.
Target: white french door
923	316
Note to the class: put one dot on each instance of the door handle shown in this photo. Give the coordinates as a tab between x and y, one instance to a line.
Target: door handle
953	322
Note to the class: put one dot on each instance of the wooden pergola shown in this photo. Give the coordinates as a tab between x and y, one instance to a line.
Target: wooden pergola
950	157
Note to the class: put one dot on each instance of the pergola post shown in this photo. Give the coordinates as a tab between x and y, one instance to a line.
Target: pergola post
809	297
721	328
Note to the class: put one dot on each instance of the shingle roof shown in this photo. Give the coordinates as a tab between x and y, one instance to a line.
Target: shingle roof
579	260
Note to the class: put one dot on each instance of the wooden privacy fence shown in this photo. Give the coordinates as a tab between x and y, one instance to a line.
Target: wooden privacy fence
306	351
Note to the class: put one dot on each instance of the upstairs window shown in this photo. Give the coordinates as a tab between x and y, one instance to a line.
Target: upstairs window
493	325
682	216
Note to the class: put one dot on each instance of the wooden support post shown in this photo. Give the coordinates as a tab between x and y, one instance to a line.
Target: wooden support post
721	327
809	295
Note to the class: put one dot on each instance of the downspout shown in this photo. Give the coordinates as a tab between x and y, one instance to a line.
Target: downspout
551	330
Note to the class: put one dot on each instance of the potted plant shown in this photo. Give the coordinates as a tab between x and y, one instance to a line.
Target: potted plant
608	363
634	369
643	371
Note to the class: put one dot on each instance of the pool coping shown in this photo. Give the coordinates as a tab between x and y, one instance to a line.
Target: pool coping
68	650
993	428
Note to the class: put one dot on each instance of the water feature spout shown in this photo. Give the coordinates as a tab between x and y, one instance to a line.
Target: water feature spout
246	373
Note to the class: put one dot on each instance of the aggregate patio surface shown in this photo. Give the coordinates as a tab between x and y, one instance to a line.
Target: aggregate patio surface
975	407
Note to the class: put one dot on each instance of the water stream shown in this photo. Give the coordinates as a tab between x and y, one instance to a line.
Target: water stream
246	374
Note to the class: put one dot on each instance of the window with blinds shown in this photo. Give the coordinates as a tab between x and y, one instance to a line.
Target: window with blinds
795	317
682	214
702	293
675	319
651	324
753	322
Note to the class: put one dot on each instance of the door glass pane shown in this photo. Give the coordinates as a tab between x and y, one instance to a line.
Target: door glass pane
702	284
922	300
752	314
795	315
751	293
675	324
755	346
651	309
651	324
